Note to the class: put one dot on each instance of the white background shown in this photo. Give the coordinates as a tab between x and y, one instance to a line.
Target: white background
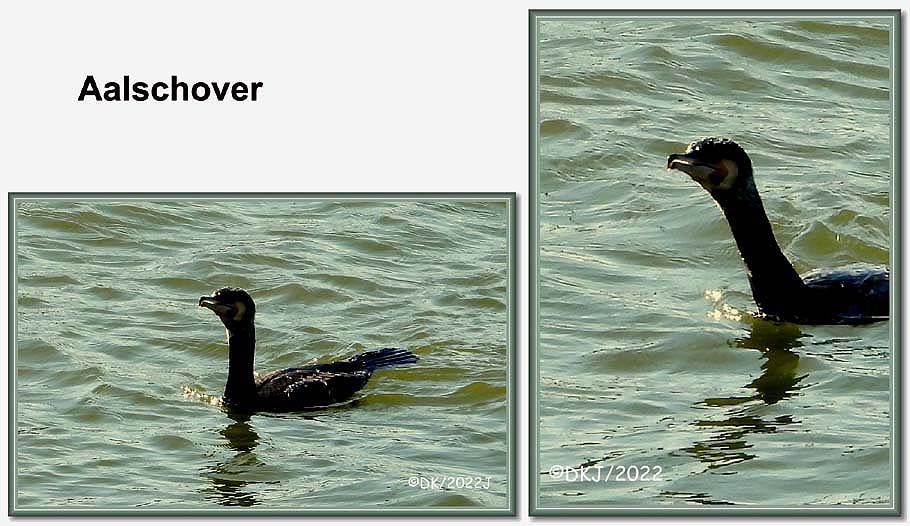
358	96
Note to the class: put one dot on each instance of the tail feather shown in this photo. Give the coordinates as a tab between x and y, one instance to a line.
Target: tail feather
385	357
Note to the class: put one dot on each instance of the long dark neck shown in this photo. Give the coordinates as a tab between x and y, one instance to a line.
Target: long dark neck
240	389
776	287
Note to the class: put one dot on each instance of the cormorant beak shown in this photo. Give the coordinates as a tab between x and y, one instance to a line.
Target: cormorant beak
675	158
220	309
690	165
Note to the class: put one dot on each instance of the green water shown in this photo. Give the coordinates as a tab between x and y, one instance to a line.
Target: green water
116	366
648	354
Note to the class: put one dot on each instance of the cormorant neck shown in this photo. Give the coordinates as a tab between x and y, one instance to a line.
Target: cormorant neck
776	287
240	389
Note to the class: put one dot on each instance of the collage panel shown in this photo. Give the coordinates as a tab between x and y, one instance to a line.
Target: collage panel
380	328
714	262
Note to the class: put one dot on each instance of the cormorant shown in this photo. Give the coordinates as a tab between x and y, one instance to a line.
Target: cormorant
295	388
854	294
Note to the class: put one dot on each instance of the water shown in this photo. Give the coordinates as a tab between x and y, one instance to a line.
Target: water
117	368
649	356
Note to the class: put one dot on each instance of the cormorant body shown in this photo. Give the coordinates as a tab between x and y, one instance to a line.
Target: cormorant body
294	388
854	294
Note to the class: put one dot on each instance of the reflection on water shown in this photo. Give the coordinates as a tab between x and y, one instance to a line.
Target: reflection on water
698	498
228	477
240	435
777	381
729	446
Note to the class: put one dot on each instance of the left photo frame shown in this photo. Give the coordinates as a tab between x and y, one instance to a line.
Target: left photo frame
382	328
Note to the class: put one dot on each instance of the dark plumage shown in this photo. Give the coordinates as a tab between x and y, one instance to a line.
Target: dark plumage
848	295
295	388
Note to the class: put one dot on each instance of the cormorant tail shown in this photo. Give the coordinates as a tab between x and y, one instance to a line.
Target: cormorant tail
385	357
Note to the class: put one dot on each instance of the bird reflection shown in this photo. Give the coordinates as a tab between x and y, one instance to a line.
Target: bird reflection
778	381
730	445
230	478
240	435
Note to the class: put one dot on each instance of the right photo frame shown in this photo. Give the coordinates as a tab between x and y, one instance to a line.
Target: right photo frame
715	263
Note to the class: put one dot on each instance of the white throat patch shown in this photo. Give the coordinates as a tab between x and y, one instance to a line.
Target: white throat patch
241	310
731	173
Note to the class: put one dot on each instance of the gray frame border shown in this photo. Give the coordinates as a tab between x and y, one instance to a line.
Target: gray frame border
897	380
510	199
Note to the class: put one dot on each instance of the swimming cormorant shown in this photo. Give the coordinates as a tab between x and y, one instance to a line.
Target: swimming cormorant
295	388
853	294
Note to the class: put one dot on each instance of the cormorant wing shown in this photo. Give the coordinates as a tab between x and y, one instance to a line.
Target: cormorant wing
311	386
853	292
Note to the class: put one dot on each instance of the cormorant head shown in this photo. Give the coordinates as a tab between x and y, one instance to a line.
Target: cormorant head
234	306
716	164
